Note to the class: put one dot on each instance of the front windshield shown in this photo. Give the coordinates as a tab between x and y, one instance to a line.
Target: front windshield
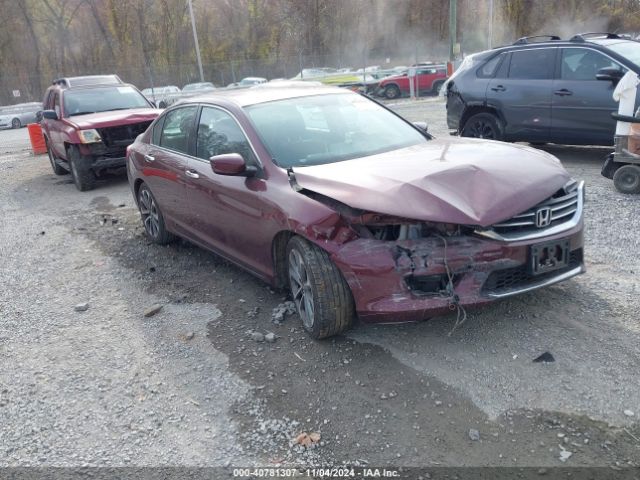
330	128
629	50
81	102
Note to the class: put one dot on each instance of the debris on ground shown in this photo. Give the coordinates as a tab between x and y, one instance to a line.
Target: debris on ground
281	311
307	439
185	337
270	337
546	357
564	454
253	312
257	337
474	434
152	310
81	307
629	413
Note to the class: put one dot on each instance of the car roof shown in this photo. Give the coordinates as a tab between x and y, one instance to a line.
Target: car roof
268	92
594	39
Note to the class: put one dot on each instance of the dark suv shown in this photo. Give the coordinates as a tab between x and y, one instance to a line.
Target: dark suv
88	122
553	90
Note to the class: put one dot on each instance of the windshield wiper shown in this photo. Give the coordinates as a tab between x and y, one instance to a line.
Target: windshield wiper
79	113
121	108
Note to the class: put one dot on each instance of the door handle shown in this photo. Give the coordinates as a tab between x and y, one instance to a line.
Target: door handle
192	174
563	92
498	88
149	158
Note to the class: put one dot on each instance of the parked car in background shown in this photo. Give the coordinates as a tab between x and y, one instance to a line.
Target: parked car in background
87	125
429	80
554	90
247	82
162	96
354	209
16	116
198	87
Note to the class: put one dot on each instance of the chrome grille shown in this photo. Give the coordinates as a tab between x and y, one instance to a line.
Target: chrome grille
560	207
560	212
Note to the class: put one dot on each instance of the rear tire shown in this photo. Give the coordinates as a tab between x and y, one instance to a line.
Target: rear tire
152	218
483	125
627	179
435	89
391	92
83	176
15	123
321	294
57	169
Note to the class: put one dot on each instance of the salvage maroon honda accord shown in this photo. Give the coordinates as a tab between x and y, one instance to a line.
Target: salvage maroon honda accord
357	211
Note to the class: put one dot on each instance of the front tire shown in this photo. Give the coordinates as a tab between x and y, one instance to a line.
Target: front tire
483	125
15	123
321	294
152	218
627	179
83	176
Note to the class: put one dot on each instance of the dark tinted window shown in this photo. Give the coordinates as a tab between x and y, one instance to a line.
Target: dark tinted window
489	68
219	133
583	64
177	129
535	64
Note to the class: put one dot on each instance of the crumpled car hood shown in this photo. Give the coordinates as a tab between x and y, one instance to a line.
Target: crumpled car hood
113	118
463	181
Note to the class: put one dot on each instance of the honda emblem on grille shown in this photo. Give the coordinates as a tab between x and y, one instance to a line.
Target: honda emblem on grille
543	217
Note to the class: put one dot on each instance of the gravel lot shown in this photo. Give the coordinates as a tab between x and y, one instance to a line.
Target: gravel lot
189	385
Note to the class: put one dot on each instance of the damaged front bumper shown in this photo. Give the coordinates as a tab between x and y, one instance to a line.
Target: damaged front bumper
410	280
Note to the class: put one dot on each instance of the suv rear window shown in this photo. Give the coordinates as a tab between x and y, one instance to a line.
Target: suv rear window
489	68
533	64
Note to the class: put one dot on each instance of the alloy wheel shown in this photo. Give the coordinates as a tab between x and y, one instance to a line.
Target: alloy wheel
301	288
149	213
482	129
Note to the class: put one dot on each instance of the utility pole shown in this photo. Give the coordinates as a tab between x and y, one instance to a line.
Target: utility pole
452	28
195	39
490	39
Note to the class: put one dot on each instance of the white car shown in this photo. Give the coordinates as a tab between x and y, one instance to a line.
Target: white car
16	116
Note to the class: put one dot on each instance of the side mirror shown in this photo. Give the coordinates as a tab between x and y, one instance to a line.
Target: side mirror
232	164
50	114
610	74
422	126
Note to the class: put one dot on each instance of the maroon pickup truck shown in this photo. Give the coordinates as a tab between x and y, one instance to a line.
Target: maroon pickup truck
88	122
430	79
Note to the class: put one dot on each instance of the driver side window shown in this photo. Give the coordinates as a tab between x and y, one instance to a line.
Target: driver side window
219	133
177	129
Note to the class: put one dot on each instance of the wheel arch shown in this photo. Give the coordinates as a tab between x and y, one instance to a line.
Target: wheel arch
472	110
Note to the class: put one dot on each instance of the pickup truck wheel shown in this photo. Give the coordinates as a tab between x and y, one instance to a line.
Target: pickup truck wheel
627	179
391	92
483	125
152	218
83	176
57	169
435	88
321	294
15	123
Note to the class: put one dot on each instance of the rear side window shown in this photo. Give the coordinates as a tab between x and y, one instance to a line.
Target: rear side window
534	64
490	67
177	129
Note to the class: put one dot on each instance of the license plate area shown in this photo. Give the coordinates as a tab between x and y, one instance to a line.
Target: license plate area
547	257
